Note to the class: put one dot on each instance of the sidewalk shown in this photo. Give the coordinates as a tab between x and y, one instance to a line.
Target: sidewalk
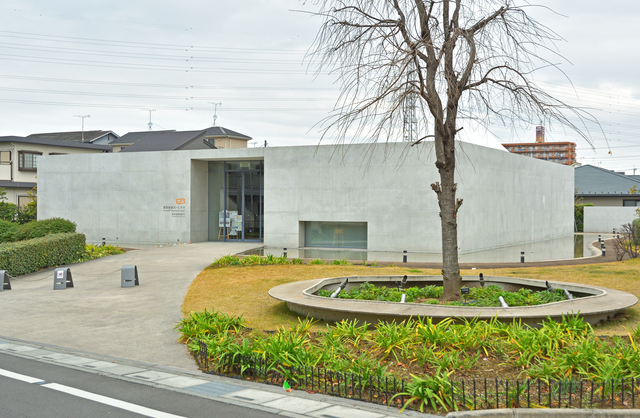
263	397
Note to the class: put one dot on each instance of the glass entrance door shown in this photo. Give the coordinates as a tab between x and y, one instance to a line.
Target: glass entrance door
241	217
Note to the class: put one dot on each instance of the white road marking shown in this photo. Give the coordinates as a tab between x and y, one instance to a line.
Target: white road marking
110	401
21	377
91	396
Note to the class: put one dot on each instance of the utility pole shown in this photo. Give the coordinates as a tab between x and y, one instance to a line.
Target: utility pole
82	117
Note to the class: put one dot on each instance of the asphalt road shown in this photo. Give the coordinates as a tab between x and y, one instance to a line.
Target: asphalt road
43	390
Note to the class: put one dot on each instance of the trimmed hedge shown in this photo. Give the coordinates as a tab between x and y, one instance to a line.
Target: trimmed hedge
25	257
34	229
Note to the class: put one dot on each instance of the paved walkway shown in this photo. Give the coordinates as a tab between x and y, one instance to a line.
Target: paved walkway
99	316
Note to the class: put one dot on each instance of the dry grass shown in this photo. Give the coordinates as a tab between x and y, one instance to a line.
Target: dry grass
244	290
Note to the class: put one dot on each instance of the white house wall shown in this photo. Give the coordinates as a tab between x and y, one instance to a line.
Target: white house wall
128	197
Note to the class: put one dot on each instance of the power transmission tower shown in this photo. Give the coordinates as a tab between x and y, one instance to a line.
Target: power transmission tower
410	123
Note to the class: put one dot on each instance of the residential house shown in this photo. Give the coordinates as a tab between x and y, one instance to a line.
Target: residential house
215	137
612	195
603	187
93	137
19	162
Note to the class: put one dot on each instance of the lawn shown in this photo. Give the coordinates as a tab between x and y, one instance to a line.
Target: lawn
243	291
429	357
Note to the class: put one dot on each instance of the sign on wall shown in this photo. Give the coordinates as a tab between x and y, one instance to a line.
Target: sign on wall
177	210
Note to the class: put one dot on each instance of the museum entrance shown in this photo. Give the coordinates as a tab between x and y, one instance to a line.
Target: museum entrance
240	201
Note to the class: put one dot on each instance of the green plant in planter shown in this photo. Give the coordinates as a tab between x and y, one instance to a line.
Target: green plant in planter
432	390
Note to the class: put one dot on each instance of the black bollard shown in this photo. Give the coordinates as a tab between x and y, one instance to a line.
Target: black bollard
404	256
522	256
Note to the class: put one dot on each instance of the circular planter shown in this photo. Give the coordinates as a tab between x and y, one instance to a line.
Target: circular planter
592	303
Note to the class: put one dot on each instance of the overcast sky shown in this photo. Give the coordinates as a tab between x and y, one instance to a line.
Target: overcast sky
116	60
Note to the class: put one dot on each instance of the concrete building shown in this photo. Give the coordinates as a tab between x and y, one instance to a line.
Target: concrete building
375	197
557	152
19	161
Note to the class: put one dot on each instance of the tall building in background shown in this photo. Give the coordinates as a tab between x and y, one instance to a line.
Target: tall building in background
557	152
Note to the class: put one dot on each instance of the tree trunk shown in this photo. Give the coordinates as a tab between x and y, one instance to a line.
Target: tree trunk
448	219
446	191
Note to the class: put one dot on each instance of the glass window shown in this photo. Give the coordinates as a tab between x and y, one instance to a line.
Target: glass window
23	200
631	203
335	234
28	160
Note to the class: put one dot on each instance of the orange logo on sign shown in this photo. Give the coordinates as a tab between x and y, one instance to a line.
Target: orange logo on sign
181	201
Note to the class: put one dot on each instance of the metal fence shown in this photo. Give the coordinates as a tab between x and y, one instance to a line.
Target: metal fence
464	393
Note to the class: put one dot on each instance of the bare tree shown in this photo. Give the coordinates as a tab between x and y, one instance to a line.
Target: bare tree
464	60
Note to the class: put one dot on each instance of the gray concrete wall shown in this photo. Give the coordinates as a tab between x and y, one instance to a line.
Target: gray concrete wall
123	197
604	219
132	197
508	199
199	201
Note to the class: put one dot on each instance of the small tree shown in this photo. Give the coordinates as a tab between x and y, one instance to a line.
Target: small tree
461	60
29	212
7	209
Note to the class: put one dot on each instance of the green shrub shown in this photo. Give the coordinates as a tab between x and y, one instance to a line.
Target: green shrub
25	257
7	230
98	251
635	225
8	211
38	229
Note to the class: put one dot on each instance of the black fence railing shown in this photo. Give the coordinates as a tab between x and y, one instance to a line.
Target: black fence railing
464	393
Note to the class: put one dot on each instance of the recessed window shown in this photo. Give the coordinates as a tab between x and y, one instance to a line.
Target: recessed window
28	160
23	200
335	234
631	203
5	157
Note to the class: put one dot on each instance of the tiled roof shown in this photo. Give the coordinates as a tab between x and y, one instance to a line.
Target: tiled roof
216	131
162	141
89	136
51	142
172	140
133	137
595	181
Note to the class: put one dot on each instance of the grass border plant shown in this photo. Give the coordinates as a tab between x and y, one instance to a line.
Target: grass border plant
434	358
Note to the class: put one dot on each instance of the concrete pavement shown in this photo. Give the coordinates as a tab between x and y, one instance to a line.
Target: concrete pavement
99	316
